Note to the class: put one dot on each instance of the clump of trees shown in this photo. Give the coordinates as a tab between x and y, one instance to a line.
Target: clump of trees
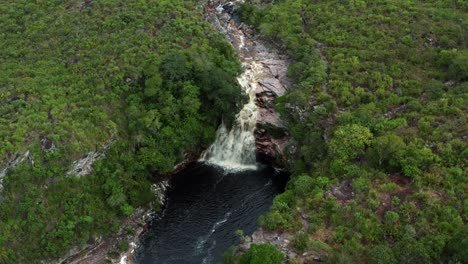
256	254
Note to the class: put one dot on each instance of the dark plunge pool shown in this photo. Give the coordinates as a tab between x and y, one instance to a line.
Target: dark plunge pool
205	207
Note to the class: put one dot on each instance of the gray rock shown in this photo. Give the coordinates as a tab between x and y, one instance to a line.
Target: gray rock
83	167
343	191
159	190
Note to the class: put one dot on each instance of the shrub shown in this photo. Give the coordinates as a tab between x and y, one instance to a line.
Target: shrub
382	254
318	245
300	242
392	217
388	187
262	254
303	185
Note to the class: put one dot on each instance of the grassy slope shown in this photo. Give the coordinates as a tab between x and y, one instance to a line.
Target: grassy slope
151	74
380	100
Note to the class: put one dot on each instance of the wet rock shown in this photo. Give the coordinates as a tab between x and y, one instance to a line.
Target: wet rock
270	71
229	8
159	191
244	247
271	84
225	17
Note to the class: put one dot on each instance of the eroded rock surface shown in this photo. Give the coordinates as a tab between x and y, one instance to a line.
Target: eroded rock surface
271	79
282	241
342	191
83	167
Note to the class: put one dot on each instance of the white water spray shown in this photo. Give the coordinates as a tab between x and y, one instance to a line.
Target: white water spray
235	149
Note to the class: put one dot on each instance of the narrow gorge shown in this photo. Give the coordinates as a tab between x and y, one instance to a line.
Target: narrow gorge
234	182
264	79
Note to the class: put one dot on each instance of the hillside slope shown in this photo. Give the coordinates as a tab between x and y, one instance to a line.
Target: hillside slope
132	85
378	119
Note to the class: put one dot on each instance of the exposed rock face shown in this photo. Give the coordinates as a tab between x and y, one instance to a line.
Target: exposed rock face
342	192
12	164
83	166
270	135
159	190
283	242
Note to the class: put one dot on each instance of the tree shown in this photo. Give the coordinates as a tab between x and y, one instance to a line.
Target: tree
386	150
455	248
349	142
382	254
415	159
262	254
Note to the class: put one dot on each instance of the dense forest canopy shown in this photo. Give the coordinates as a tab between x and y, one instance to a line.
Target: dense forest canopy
147	78
376	113
379	103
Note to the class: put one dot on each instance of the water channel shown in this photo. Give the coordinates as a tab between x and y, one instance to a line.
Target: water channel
228	189
205	206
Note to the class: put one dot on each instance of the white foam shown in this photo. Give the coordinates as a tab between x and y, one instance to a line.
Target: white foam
234	149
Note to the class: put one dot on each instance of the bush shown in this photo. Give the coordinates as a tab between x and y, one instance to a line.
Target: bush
455	248
262	254
123	245
230	257
303	185
349	142
320	246
361	184
300	242
388	187
409	250
392	217
386	151
272	220
382	254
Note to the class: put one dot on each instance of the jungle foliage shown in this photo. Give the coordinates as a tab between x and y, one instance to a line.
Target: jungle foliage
149	78
380	100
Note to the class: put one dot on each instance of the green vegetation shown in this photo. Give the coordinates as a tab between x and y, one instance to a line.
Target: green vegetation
257	254
149	75
380	100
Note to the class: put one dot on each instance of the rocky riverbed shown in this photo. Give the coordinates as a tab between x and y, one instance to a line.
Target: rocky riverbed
270	71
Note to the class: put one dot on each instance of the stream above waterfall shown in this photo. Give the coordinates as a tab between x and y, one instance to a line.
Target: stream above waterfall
227	190
204	208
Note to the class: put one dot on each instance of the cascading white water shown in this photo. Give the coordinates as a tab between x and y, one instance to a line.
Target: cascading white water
235	149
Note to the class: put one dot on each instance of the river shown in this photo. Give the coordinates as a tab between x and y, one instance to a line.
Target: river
228	189
205	206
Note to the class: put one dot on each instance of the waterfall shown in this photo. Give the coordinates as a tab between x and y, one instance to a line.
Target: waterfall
234	149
